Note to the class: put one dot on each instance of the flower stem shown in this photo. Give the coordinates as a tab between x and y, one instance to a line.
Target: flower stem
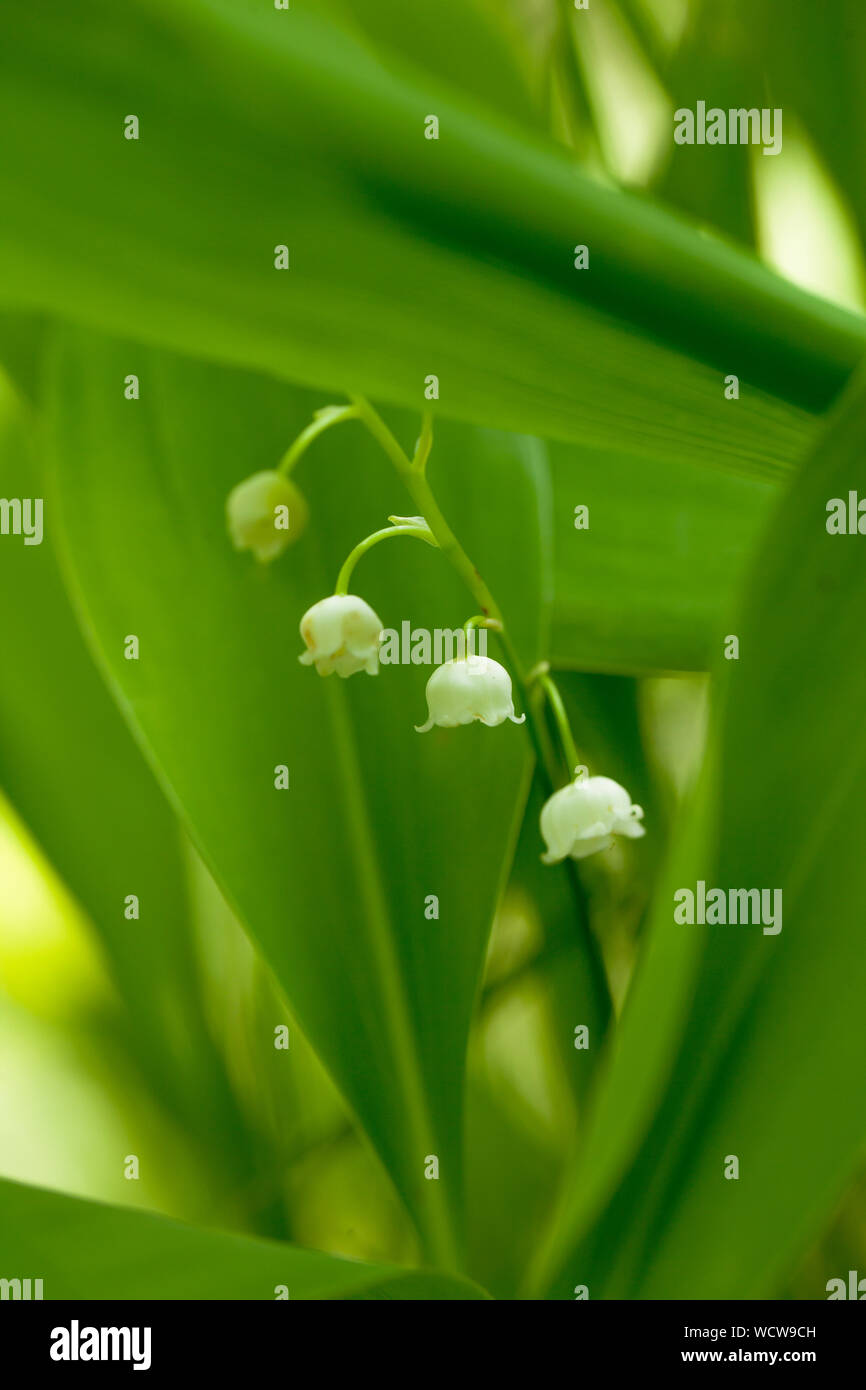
566	737
412	471
414	476
323	420
479	621
422	532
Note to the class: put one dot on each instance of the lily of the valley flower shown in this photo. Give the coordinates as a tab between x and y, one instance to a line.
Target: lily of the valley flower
342	634
265	513
467	688
584	817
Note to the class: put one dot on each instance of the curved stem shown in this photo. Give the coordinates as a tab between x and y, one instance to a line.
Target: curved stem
469	627
479	621
324	419
413	475
419	488
342	584
566	737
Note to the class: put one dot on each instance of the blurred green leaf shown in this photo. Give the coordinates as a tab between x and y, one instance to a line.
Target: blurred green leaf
650	583
456	41
22	342
812	67
331	876
76	777
484	499
84	1250
409	257
730	1035
712	63
509	1169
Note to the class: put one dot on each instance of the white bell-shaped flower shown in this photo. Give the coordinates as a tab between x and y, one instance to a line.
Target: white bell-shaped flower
467	688
584	817
265	513
342	634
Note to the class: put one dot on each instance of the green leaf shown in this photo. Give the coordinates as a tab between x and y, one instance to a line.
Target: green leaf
650	583
22	340
460	42
84	1250
409	257
509	1169
714	57
472	487
826	93
77	779
332	875
730	1033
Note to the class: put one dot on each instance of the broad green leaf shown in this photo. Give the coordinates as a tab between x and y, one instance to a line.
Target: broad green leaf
408	257
470	486
712	63
826	93
85	1250
731	1034
76	777
331	876
509	1169
462	42
648	583
22	339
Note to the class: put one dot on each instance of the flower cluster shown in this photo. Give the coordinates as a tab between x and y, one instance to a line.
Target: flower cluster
342	635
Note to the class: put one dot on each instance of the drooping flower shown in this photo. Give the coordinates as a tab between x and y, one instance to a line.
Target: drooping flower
342	634
583	818
265	514
467	688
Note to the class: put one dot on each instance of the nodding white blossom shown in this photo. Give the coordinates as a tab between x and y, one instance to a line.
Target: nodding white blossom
467	688
584	817
265	514
342	634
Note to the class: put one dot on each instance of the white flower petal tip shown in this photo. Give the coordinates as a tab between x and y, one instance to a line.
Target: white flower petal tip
265	513
469	688
583	818
342	635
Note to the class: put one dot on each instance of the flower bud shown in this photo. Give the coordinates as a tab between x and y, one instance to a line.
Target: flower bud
342	634
584	817
265	513
467	688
